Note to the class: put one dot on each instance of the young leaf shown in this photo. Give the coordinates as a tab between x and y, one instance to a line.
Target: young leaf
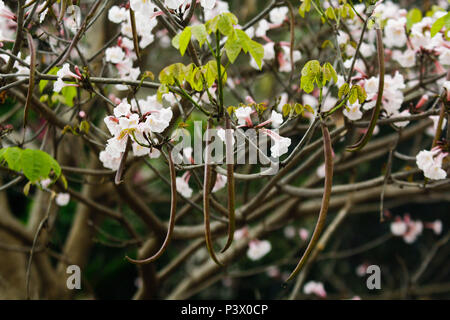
343	90
199	32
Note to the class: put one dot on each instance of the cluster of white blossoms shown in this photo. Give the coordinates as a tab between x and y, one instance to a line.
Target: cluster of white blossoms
139	121
410	229
430	162
257	249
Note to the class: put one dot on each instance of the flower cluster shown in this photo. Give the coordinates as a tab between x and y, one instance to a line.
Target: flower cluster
409	229
138	122
430	162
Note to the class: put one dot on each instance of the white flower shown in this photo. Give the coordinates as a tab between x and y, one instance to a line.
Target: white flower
258	249
263	27
431	131
123	109
436	226
398	228
221	182
425	158
444	57
142	6
367	50
115	55
158	121
109	161
243	114
269	51
117	14
46	182
313	287
280	147
406	59
395	33
174	4
208	4
353	112
342	38
276	119
62	199
183	187
59	84
278	15
65	72
435	172
414	230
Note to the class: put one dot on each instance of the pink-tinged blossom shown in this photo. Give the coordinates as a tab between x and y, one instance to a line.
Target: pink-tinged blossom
304	234
436	226
183	185
221	182
62	199
430	162
353	112
258	249
117	14
316	288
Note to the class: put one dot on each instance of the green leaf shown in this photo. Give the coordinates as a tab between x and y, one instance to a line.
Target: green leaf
199	32
305	7
286	109
43	83
353	95
343	90
35	164
185	38
69	93
256	50
225	25
414	16
362	95
439	24
12	157
232	48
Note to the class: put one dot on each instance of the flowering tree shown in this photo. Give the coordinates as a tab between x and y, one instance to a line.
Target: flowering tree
268	125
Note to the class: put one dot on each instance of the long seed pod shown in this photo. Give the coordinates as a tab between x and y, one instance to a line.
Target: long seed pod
328	153
230	185
376	112
135	36
123	161
31	79
206	193
173	209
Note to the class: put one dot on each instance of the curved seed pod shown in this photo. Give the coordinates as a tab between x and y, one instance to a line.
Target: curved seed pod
206	192
376	112
230	186
119	173
173	209
31	79
135	36
328	152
